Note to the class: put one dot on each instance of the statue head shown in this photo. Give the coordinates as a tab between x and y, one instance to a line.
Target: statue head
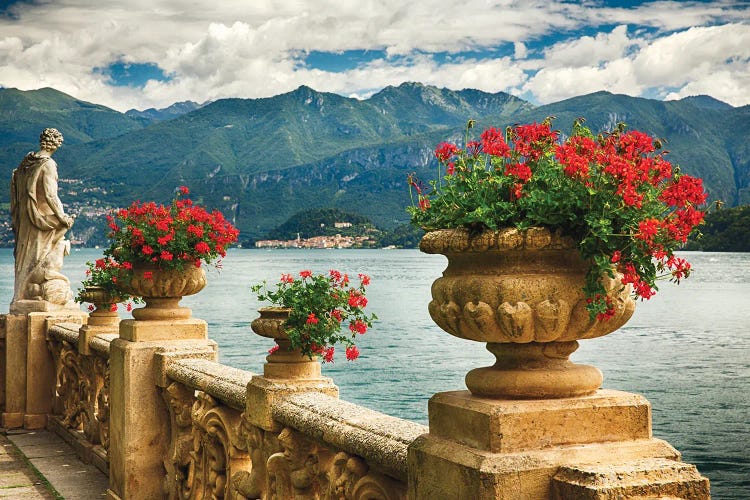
50	139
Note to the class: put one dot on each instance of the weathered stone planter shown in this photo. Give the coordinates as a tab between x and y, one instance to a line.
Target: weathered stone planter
285	362
102	315
521	292
163	290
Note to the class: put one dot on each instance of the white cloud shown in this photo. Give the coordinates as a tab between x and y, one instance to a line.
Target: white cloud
237	48
709	60
588	50
519	50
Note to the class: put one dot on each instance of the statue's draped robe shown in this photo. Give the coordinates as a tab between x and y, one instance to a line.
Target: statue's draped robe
39	227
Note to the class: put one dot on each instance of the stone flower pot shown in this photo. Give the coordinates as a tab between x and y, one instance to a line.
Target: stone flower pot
284	362
162	290
102	315
521	293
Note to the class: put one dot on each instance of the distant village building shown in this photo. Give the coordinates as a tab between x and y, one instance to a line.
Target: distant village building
339	225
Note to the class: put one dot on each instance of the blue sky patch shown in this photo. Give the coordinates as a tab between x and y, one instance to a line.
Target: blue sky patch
122	74
5	6
338	62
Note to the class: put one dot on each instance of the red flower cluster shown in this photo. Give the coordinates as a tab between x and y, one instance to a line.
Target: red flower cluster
615	192
169	236
321	304
493	143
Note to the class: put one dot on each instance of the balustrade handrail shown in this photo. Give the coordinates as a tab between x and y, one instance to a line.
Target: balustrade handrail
65	331
222	382
382	440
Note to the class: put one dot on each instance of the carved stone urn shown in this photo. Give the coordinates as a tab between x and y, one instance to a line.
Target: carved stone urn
102	315
283	362
521	293
162	290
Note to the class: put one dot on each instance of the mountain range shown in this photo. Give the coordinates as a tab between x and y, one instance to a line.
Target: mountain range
262	160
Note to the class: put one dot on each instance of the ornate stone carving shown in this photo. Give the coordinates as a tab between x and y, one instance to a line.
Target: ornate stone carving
203	452
39	225
259	444
101	368
216	453
304	469
81	392
177	463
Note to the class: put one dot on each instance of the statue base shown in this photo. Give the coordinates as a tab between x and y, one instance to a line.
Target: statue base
26	306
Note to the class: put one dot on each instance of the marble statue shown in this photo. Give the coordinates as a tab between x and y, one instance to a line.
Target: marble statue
39	226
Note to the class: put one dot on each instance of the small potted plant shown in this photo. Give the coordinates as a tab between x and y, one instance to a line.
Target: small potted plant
310	311
164	247
548	241
100	289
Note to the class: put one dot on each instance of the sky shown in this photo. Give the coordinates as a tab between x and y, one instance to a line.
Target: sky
152	53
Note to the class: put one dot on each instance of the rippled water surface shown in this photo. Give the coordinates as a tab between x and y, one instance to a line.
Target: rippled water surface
687	350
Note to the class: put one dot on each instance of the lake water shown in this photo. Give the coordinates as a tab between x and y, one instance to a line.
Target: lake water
687	349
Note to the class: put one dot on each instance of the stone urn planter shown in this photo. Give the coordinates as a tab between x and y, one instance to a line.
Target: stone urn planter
521	293
102	315
162	290
283	362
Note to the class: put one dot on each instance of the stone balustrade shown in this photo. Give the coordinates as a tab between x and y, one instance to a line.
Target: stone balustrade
321	447
164	419
80	411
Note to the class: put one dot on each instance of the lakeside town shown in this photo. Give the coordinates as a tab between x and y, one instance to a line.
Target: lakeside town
327	241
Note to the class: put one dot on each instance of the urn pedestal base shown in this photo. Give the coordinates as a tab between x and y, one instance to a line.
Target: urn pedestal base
147	331
534	370
484	448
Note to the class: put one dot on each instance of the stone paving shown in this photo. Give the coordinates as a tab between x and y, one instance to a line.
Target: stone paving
69	478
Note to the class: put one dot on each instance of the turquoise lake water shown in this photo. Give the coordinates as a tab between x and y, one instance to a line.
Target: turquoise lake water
687	349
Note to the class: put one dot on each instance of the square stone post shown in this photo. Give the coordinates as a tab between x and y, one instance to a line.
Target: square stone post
14	376
29	368
139	418
590	447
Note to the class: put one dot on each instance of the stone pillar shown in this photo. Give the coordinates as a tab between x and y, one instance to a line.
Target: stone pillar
139	418
14	377
483	448
29	367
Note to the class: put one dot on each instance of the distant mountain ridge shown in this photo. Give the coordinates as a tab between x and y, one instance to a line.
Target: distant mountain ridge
173	111
261	160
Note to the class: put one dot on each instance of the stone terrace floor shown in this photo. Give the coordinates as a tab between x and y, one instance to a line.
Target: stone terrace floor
63	475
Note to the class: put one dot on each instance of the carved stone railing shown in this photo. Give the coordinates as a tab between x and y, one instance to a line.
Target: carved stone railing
81	404
320	447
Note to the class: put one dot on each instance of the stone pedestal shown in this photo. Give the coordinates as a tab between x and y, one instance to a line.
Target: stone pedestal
102	320
482	448
139	418
29	376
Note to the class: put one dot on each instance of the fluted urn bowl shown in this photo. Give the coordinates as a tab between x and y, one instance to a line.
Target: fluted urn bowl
284	362
102	315
521	292
162	290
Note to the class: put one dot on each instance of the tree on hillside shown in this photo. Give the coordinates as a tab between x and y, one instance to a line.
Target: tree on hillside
319	222
725	230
